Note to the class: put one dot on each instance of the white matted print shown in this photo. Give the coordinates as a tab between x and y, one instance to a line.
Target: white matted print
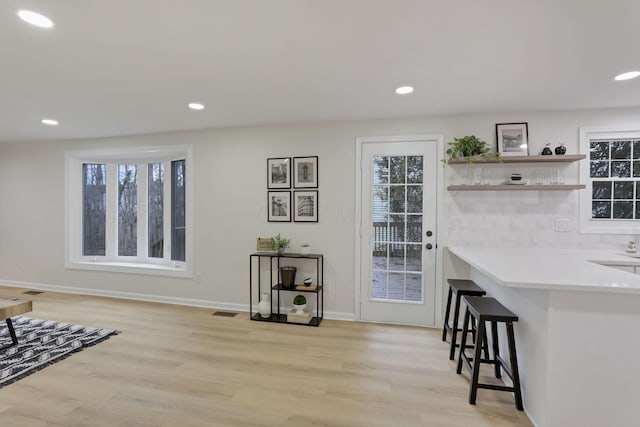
279	206
305	206
513	139
305	172
279	172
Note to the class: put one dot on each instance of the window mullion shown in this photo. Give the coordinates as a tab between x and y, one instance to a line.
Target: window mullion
112	212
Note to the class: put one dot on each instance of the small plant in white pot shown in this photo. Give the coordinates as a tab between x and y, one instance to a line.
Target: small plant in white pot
305	249
299	303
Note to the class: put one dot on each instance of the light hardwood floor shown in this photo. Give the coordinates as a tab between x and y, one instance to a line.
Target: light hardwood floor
181	366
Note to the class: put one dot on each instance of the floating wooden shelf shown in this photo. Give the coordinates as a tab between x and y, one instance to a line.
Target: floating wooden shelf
505	187
567	158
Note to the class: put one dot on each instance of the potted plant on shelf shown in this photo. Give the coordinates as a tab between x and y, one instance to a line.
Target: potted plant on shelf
299	303
280	243
469	148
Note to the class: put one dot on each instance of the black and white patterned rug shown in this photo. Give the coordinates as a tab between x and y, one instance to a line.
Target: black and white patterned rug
42	343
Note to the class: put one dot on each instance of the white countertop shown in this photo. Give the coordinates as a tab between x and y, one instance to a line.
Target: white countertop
556	269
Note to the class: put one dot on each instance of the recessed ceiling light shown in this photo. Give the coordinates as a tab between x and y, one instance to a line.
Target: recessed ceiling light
36	19
196	106
50	122
404	90
627	76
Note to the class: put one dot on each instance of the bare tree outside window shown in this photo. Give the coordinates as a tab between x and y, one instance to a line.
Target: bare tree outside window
156	210
94	213
127	210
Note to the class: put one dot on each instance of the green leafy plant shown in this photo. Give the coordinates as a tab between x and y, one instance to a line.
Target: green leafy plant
299	300
280	242
469	148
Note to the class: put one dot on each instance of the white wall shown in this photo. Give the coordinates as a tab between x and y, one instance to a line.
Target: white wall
230	202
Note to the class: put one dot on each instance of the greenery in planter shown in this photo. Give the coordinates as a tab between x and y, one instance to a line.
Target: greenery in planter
280	242
299	300
469	148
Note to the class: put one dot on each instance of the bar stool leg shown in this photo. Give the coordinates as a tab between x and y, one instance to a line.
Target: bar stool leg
446	316
454	328
514	366
476	362
463	344
496	348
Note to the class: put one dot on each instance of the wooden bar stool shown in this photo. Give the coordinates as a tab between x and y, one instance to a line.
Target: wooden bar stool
460	287
489	310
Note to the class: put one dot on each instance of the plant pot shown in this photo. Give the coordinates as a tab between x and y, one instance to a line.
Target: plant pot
281	250
299	308
305	250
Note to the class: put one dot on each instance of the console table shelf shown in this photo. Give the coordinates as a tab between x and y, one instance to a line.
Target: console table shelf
275	286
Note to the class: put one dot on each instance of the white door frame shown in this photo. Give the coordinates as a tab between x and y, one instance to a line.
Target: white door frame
360	141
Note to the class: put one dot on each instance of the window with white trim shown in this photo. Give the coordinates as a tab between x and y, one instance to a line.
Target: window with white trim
128	210
611	201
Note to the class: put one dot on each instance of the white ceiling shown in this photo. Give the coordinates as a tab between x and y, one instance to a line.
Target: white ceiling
122	67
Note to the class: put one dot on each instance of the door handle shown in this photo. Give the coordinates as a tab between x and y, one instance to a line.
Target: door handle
429	246
429	233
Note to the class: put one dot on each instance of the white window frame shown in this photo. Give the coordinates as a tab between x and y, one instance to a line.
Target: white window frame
74	259
602	226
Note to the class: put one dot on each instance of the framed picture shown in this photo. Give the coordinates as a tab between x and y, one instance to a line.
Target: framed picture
279	205
279	172
305	172
305	206
513	139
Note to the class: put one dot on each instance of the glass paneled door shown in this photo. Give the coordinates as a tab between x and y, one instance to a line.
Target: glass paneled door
398	232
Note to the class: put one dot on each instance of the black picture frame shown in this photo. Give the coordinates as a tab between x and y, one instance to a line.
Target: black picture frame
279	172
305	172
279	206
305	206
513	139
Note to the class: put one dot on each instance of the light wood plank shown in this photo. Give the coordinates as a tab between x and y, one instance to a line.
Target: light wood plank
181	366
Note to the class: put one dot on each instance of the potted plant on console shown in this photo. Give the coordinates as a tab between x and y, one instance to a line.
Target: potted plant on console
299	303
469	148
280	243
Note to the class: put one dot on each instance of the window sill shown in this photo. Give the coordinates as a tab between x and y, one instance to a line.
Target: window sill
130	267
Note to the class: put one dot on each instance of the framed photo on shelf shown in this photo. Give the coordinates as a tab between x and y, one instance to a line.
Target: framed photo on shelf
279	172
279	206
305	172
513	139
305	206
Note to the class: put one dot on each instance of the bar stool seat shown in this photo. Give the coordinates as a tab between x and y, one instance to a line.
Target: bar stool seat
486	309
460	287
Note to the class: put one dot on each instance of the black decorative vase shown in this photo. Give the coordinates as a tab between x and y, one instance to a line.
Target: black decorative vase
546	151
560	150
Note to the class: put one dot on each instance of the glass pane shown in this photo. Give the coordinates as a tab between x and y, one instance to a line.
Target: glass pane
94	213
623	190
600	209
636	169
414	287
380	231
414	198
621	150
414	228
621	169
414	169
601	190
397	165
379	261
636	149
178	203
379	284
380	202
637	210
599	170
397	228
599	150
397	203
156	210
127	210
396	256
380	166
396	286
622	210
414	257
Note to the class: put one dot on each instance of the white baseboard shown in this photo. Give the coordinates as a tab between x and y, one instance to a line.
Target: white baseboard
152	298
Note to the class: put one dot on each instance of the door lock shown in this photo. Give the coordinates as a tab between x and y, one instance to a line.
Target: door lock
429	246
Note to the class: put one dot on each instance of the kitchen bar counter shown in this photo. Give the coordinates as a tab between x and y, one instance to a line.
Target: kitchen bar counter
578	334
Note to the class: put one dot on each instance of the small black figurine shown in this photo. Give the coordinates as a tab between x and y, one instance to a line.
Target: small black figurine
561	149
546	151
